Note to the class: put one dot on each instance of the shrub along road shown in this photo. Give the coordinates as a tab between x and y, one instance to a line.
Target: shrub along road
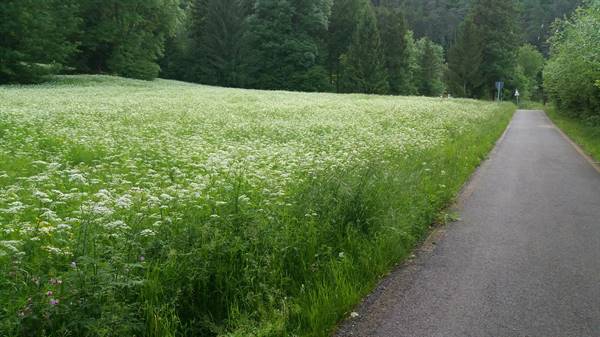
524	260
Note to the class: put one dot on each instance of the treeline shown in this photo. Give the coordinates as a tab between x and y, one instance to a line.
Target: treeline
92	36
572	74
440	19
489	48
405	47
309	45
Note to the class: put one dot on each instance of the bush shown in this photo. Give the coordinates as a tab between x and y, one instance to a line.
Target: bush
572	73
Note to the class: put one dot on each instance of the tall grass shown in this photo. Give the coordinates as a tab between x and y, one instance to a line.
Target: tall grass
584	133
163	209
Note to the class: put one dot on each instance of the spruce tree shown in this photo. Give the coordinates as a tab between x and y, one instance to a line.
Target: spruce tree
464	61
344	17
364	63
177	59
431	62
392	29
497	24
216	41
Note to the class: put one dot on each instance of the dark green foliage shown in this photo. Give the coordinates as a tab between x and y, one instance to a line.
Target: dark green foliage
276	44
530	63
538	16
216	35
364	63
283	45
126	38
344	17
34	38
464	60
435	19
177	59
571	77
498	28
392	30
440	19
431	60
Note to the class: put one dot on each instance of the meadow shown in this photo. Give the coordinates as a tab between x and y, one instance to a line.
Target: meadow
133	208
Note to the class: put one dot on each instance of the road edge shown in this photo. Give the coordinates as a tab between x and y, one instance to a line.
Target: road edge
579	149
401	272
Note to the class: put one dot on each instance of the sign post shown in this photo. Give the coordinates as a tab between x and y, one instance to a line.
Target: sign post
499	87
517	96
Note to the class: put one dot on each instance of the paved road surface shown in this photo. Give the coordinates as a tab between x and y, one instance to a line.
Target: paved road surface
523	261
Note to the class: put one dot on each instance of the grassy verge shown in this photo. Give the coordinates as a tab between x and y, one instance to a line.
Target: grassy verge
131	208
586	135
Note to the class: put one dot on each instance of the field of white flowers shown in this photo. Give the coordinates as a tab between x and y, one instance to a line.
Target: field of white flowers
132	208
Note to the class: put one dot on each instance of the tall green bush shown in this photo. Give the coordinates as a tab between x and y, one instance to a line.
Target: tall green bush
530	63
571	75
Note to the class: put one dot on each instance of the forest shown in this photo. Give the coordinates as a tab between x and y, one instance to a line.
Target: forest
397	47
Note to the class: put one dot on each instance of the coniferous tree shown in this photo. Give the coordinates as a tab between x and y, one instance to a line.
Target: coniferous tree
436	19
216	41
497	24
126	38
284	47
413	57
431	61
392	29
343	21
464	61
177	59
35	38
364	63
538	16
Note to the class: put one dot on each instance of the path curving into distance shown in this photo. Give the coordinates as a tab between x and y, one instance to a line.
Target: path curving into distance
524	260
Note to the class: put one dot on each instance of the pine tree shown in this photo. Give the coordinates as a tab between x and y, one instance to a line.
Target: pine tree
392	29
126	38
364	63
35	38
464	61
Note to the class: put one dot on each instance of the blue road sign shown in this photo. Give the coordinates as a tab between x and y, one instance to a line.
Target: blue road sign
499	85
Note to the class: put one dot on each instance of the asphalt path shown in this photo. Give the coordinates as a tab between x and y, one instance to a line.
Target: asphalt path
524	260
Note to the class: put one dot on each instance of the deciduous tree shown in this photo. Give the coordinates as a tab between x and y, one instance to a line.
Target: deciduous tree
125	37
35	38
